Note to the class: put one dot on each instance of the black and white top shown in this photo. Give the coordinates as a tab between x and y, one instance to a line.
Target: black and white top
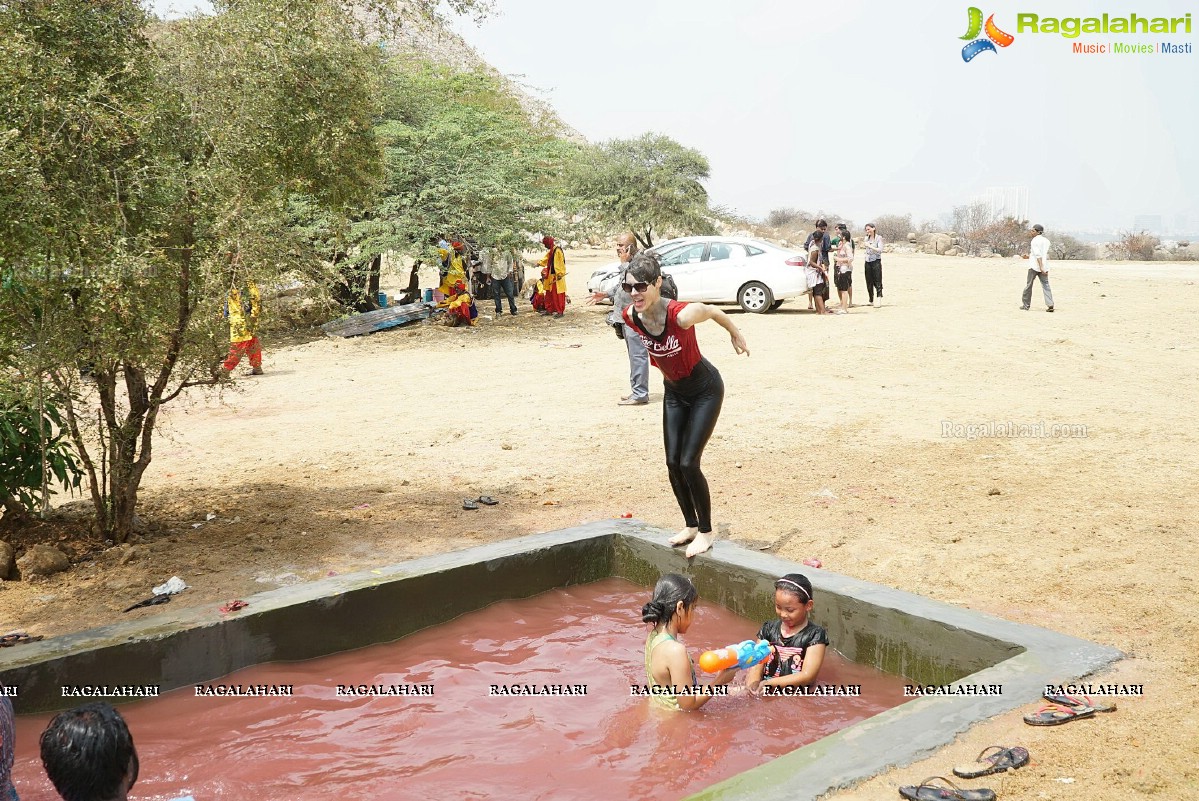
789	651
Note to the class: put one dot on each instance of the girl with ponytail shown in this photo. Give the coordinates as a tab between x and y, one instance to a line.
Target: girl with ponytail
667	665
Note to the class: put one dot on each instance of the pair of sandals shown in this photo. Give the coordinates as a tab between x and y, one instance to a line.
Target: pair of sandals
17	638
992	759
486	500
1065	708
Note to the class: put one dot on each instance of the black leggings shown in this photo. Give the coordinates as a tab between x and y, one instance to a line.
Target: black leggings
689	412
874	278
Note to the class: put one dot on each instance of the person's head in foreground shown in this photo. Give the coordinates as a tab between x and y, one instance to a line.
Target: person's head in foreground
673	604
793	600
1037	230
643	280
88	754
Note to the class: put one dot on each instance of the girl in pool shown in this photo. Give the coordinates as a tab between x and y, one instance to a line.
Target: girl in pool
666	662
694	389
799	644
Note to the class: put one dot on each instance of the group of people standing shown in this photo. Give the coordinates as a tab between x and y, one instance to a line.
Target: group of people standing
496	269
819	247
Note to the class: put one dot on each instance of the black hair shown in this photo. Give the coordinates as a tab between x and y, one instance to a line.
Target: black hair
645	266
669	590
796	584
1040	229
87	753
822	224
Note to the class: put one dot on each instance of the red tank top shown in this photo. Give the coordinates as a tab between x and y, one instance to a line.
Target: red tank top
675	352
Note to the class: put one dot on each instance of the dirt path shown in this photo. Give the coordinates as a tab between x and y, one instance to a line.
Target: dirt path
832	443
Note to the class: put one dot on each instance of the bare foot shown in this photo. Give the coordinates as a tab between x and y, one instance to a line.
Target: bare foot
685	536
701	543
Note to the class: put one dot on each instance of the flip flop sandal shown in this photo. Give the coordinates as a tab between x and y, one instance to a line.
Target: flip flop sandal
947	791
1080	701
487	500
468	504
1057	715
18	638
153	601
987	763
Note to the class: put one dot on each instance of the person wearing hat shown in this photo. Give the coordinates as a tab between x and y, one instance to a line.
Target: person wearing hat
1038	268
554	272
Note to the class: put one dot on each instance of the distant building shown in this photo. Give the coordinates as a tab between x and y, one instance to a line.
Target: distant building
1150	223
1007	201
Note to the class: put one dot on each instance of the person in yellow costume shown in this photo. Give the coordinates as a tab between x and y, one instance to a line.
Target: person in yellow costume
554	262
456	272
243	316
459	306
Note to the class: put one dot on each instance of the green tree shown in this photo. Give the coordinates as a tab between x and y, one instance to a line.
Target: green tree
645	185
149	169
463	160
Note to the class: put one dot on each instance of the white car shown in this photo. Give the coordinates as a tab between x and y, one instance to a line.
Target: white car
756	275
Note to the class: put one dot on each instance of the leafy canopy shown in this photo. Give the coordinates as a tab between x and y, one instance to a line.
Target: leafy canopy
645	185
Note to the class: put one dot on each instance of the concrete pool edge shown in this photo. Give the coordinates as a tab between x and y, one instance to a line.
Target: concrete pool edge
199	644
916	729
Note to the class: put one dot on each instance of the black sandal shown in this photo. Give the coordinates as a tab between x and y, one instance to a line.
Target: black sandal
487	500
1001	760
948	791
468	504
17	638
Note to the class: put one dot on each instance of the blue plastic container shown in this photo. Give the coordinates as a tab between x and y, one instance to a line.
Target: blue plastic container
428	295
382	299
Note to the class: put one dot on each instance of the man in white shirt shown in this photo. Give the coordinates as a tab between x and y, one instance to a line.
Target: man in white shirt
1038	267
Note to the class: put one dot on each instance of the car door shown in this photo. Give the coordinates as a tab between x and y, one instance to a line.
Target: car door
684	263
722	273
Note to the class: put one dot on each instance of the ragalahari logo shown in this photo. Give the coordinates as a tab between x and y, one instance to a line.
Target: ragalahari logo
994	35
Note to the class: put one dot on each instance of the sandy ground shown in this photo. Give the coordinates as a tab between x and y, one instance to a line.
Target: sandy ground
354	453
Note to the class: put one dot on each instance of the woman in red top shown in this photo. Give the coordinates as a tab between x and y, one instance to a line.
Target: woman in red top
694	389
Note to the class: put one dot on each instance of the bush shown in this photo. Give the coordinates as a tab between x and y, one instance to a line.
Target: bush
1063	247
779	218
1007	237
894	227
1135	246
22	458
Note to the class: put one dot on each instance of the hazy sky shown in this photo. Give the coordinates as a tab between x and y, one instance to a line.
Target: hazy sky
867	107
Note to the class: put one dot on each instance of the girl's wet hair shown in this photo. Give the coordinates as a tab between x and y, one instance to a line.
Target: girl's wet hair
669	590
646	267
796	584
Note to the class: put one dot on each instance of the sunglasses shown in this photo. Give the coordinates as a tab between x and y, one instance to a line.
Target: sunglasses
640	286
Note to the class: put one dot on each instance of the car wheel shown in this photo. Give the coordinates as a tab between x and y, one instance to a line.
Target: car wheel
775	305
755	297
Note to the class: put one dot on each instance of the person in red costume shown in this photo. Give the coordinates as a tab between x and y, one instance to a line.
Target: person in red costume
554	277
694	389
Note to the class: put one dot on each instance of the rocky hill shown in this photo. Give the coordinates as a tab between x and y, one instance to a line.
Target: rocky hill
434	40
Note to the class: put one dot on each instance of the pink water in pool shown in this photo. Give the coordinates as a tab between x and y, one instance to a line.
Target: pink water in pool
461	742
